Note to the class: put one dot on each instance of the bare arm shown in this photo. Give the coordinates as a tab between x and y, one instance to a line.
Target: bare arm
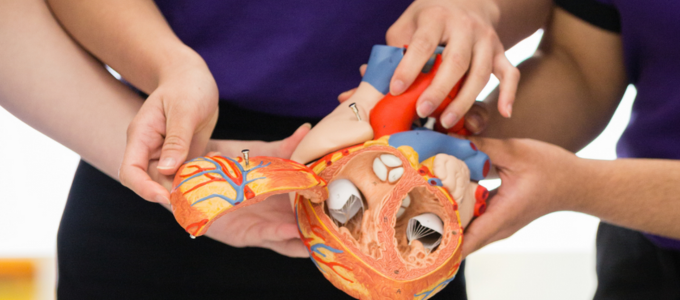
130	36
45	77
517	19
569	89
177	119
568	94
49	82
641	194
540	178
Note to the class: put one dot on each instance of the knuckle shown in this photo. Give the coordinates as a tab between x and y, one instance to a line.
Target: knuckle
175	142
465	22
514	74
483	73
392	35
438	94
421	44
458	60
489	34
123	176
131	129
436	12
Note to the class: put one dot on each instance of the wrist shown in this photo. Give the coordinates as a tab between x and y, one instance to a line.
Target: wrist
179	61
586	175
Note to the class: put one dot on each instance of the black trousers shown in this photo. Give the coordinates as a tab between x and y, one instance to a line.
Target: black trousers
114	245
629	266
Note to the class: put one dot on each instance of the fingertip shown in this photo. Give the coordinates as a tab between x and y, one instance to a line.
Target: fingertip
167	166
397	87
344	96
425	109
473	123
506	101
449	119
306	126
303	130
508	110
162	199
167	163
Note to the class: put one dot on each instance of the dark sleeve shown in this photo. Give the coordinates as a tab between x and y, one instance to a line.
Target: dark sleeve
598	14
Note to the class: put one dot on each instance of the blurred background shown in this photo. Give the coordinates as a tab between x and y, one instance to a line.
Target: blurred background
552	258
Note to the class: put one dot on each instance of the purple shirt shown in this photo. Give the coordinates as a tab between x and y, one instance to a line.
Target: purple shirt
289	58
650	31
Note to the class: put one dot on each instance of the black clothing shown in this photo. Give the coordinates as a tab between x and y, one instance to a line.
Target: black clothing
629	266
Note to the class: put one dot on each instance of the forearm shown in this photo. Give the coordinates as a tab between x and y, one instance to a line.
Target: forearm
131	36
568	92
50	83
641	194
517	19
558	110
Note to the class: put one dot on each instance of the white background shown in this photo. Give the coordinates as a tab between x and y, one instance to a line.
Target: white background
552	258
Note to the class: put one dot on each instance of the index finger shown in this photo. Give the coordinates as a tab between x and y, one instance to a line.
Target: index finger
133	172
422	46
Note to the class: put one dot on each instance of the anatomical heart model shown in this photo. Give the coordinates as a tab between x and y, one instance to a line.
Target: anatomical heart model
381	205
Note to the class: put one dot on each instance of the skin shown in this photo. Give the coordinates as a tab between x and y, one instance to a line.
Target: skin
177	119
573	83
473	46
49	82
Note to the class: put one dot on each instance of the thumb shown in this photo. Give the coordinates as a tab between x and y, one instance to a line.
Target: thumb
499	151
288	145
283	148
476	119
344	96
483	230
180	127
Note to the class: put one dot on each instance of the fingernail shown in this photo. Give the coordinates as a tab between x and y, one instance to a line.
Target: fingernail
425	109
161	199
449	120
167	163
397	87
509	109
474	121
308	125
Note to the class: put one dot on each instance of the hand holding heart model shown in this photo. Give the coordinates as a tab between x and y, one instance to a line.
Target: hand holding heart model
382	218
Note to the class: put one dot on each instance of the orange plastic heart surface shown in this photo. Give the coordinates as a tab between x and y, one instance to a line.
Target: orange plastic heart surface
206	188
374	254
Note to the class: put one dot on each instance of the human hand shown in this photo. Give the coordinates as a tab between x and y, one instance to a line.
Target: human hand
232	148
537	178
476	118
269	224
175	122
472	46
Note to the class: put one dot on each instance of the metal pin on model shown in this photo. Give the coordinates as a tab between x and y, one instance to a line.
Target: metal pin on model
355	109
246	157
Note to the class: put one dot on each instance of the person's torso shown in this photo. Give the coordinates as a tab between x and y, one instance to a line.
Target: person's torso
650	31
288	58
